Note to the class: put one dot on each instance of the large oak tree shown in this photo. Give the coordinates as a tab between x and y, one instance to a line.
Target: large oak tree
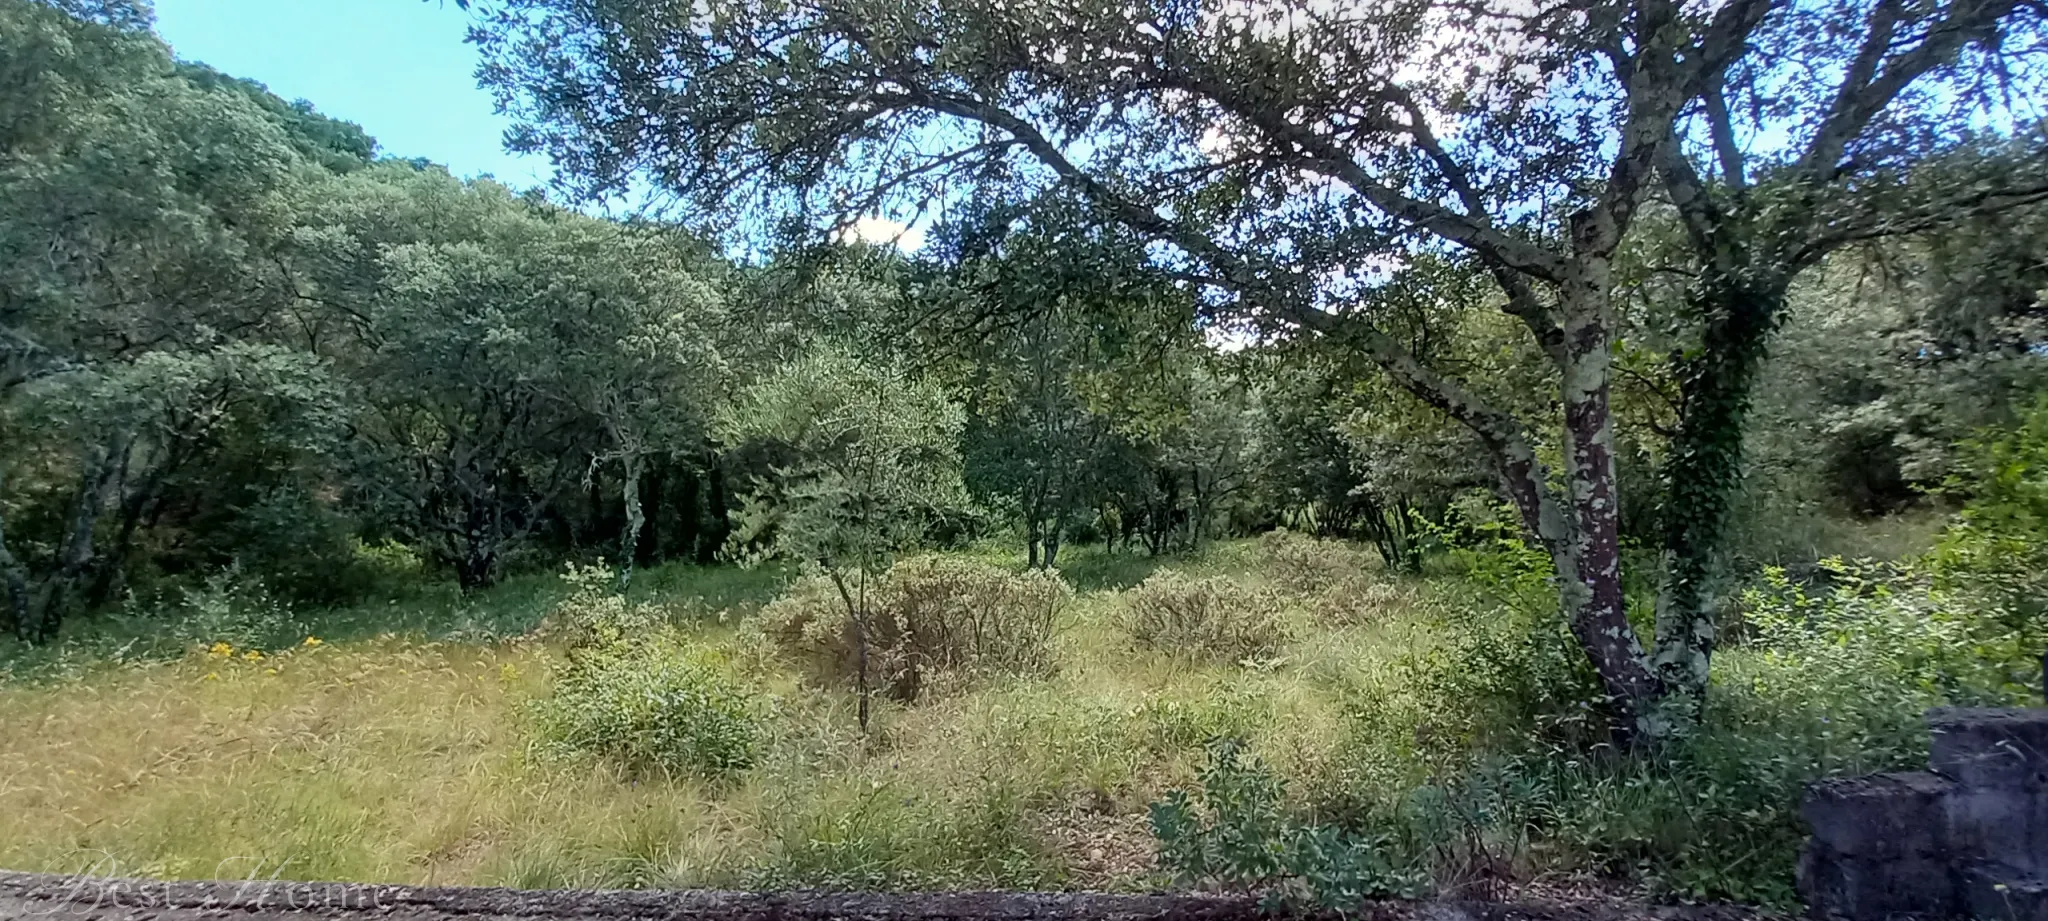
1293	157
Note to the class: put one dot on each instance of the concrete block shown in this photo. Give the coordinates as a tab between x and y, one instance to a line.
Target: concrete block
1992	893
1901	814
1852	888
2002	826
2001	748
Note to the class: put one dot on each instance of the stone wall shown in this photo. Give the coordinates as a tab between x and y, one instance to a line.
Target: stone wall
1966	838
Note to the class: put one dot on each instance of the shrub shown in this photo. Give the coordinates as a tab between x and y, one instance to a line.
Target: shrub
1235	833
937	622
1490	740
1214	619
635	691
1362	600
229	608
1997	550
1309	565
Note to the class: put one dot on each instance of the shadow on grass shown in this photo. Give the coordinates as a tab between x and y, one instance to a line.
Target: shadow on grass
1093	568
713	588
434	609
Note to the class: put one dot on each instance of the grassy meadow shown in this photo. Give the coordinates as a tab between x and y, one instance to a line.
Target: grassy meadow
395	743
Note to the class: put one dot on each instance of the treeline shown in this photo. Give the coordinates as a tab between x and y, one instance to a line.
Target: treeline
232	335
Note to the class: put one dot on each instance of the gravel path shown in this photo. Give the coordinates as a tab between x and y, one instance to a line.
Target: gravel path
27	896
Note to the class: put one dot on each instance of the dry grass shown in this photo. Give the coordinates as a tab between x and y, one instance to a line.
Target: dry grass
407	760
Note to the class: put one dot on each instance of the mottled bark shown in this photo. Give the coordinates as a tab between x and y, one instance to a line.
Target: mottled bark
718	519
654	504
1589	559
690	516
629	534
478	568
1580	530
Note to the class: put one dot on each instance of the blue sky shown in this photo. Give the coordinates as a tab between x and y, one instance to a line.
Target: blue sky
399	68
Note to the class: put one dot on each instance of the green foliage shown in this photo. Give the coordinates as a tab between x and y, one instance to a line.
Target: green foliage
886	837
1236	832
1485	747
502	350
1996	553
1216	619
1829	681
230	608
937	624
1891	633
865	461
636	691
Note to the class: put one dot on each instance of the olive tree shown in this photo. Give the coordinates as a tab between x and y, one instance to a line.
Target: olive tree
861	458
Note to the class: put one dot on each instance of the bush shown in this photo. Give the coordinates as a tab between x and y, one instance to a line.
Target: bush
1996	552
1234	833
1490	740
937	623
1214	619
635	691
1309	565
1362	600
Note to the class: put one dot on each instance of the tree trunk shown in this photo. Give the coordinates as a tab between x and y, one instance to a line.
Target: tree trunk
857	611
654	500
1701	474
14	575
689	515
77	555
478	569
135	509
629	534
718	522
1588	557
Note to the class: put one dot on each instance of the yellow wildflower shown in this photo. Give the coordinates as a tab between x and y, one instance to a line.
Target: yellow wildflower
220	649
253	655
312	641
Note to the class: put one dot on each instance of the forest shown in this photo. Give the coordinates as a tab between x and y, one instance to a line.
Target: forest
1323	450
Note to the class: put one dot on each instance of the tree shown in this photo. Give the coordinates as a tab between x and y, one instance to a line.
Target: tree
1289	155
1770	171
502	350
863	459
142	216
1045	311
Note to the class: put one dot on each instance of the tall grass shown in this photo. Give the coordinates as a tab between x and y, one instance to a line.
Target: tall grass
1442	719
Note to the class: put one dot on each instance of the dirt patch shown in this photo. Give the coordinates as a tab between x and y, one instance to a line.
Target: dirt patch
1103	850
